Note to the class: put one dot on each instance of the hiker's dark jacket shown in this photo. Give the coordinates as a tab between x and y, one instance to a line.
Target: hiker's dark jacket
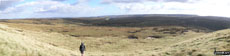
82	48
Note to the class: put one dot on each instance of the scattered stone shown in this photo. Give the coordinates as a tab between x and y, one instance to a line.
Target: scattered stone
132	37
167	53
190	53
53	44
75	35
153	37
200	55
109	42
65	31
20	30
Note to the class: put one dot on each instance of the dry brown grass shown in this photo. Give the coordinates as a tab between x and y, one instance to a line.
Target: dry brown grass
13	43
54	40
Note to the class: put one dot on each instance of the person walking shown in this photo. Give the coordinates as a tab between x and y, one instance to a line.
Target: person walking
82	48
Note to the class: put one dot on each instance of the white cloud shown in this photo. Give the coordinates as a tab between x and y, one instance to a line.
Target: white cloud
50	8
7	3
200	7
59	0
140	1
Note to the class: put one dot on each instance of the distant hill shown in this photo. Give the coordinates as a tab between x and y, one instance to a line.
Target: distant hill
144	20
151	20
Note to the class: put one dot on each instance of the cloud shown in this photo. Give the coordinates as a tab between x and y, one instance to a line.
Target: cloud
120	1
51	8
41	9
59	0
140	1
199	7
176	0
7	3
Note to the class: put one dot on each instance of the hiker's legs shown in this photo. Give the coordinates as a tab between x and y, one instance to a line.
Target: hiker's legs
82	53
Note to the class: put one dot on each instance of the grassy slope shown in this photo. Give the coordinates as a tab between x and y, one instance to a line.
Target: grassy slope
48	37
13	43
25	42
201	46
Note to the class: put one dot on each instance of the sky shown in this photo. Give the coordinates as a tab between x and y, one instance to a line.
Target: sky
13	9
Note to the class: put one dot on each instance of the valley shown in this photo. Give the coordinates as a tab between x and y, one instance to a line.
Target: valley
116	36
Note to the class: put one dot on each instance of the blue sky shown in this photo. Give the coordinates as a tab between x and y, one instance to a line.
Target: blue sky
10	9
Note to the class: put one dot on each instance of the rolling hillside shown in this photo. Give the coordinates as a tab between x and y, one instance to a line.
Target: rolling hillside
132	35
19	42
14	43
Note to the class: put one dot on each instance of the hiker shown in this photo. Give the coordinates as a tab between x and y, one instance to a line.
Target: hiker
82	49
